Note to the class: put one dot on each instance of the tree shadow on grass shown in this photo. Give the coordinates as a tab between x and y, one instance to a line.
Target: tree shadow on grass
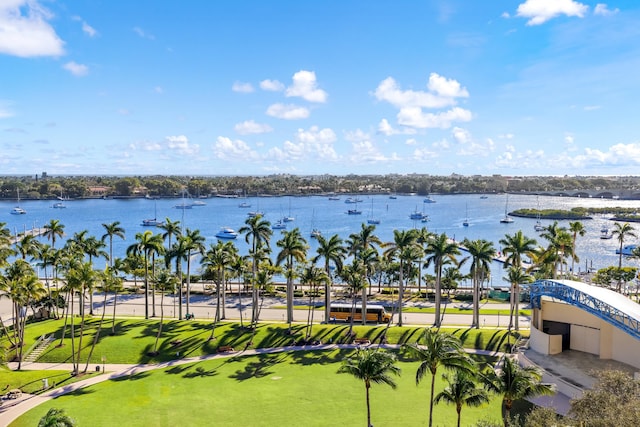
200	372
132	377
321	357
258	369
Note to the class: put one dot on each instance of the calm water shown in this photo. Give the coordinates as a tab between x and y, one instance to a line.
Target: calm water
329	216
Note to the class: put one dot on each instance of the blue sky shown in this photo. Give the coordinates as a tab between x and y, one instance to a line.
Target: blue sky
528	87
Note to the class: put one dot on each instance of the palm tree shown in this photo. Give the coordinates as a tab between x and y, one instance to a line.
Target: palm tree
146	244
166	282
462	391
93	248
53	230
622	232
577	228
438	349
372	367
516	276
482	253
560	246
194	242
354	277
334	253
313	276
113	283
513	383
171	228
422	238
293	248
515	247
178	252
257	233
403	240
112	230
79	276
360	245
439	250
215	261
56	418
28	246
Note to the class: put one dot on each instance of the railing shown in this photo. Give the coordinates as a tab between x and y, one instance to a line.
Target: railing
586	302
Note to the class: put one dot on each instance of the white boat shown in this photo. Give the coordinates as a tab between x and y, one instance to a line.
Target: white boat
279	225
289	218
627	250
352	200
18	210
185	204
428	199
244	205
334	198
418	216
254	214
152	222
227	233
59	205
506	219
372	220
605	234
198	203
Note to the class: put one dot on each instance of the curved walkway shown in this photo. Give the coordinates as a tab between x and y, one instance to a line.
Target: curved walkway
13	409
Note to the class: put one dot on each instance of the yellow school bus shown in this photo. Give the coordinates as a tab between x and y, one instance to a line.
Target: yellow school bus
375	313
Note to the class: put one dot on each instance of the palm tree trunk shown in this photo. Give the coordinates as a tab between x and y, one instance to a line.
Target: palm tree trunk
437	296
516	305
155	346
433	385
115	301
327	295
368	407
73	340
400	293
188	279
97	335
65	313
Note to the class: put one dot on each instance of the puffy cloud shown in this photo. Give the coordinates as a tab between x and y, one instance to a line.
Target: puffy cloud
86	28
357	136
527	160
289	152
251	127
316	135
462	136
181	144
271	85
616	155
602	10
78	70
27	35
415	117
226	149
305	86
540	11
424	154
146	146
446	87
287	112
411	141
366	152
388	90
242	87
386	129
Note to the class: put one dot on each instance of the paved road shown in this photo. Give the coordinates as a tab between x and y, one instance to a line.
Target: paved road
204	307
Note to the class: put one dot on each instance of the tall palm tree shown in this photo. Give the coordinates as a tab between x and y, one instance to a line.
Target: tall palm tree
513	383
293	249
422	238
166	282
113	283
402	241
354	277
28	246
360	245
621	233
440	250
515	247
53	230
93	248
216	260
178	252
462	391
171	229
437	349
515	277
560	246
194	242
145	245
333	252
577	228
112	230
257	233
312	277
372	367
481	252
79	276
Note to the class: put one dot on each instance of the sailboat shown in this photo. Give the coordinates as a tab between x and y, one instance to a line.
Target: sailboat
184	204
506	219
289	218
60	204
315	233
354	211
372	219
466	220
152	222
538	226
18	210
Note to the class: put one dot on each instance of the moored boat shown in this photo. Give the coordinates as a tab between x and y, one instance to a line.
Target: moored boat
227	233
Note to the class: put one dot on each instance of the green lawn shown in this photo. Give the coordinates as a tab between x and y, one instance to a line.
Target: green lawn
134	338
298	388
31	381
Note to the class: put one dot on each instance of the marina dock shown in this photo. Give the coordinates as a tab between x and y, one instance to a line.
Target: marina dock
32	232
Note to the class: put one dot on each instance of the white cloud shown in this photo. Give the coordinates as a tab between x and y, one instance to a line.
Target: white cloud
388	90
242	87
415	117
289	152
443	144
506	136
357	136
89	30
540	11
424	154
226	149
602	10
78	70
139	31
385	128
616	155
568	139
462	136
446	87
411	141
251	127
271	85
287	112
27	35
305	86
180	143
146	146
467	146
316	135
366	152
527	160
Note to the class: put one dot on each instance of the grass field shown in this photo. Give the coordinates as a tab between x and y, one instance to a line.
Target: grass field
285	389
